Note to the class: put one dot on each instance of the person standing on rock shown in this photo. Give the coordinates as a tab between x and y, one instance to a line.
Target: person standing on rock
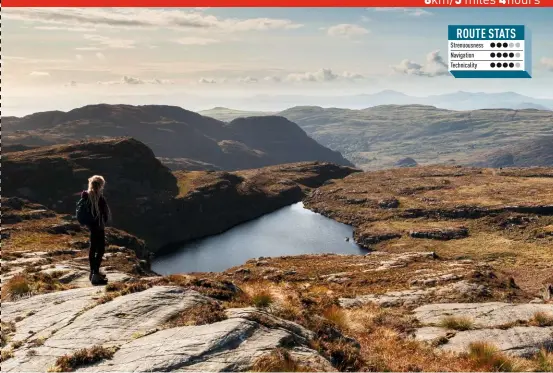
99	214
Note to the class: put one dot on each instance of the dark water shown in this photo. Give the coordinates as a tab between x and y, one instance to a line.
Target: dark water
291	230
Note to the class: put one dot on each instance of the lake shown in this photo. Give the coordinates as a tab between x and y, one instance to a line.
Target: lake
292	230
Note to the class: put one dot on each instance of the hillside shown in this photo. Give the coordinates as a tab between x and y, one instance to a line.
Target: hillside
172	132
141	190
378	137
530	153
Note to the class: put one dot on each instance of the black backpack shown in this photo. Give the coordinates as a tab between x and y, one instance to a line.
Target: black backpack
84	212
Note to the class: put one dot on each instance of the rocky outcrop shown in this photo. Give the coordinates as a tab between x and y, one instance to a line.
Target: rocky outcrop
141	191
451	233
50	326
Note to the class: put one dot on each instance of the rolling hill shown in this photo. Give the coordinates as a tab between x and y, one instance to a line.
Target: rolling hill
181	138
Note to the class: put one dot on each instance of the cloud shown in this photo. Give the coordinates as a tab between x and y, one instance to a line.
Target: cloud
100	56
61	28
39	73
347	30
71	84
434	66
145	18
79	57
322	75
129	80
547	63
412	12
207	81
107	42
352	76
193	40
248	79
272	79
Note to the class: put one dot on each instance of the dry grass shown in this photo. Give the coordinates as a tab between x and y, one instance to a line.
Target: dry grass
81	358
17	286
337	316
117	289
7	329
544	361
542	319
457	323
278	360
489	359
6	354
203	314
261	298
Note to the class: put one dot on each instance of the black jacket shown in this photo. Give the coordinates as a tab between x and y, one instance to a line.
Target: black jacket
101	220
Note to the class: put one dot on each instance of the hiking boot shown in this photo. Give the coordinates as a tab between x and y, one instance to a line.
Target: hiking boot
97	279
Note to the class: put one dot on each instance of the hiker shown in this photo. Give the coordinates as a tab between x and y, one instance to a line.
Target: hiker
93	211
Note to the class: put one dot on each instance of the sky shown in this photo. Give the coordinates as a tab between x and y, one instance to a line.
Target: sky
197	58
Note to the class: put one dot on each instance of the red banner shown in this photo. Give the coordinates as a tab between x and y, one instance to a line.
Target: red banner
280	3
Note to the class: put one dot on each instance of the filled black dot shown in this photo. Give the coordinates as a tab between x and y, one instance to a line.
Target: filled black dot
492	45
511	55
505	45
505	55
499	45
498	66
492	55
499	55
505	64
511	65
492	64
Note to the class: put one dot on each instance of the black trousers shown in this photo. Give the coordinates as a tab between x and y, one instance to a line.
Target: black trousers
97	248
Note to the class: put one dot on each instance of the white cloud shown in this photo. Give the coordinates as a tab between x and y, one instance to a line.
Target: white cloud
39	73
248	79
144	18
79	57
129	80
100	56
434	66
412	12
347	30
547	63
193	40
322	75
107	42
352	76
206	81
272	79
61	28
88	49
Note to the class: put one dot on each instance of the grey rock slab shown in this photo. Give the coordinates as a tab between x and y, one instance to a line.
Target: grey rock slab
110	324
233	344
483	314
518	341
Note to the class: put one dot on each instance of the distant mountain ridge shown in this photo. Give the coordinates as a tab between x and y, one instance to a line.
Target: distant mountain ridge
181	137
380	136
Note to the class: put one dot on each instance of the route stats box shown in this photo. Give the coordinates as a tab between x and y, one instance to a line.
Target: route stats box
489	51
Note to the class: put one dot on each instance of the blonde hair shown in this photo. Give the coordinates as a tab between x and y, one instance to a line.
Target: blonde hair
96	185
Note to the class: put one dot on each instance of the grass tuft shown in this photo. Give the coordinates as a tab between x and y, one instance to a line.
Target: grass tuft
457	323
488	358
7	329
279	360
6	354
542	319
544	360
16	286
83	357
337	316
262	298
203	314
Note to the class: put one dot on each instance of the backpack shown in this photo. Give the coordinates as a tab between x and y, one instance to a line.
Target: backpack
84	213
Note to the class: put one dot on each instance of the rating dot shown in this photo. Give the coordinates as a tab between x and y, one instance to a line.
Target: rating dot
505	64
505	45
511	45
505	55
499	55
498	65
492	45
517	55
517	64
518	45
492	55
499	45
492	64
511	54
511	65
